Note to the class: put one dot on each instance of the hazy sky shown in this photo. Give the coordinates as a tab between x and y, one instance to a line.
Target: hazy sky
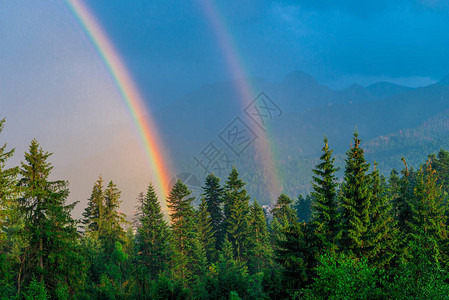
337	42
54	86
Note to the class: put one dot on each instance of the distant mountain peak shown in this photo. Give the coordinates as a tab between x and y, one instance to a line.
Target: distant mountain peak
300	77
384	89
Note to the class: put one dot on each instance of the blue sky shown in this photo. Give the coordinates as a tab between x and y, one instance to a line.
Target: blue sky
337	42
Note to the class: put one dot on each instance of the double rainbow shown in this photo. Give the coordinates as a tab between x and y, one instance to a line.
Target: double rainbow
137	107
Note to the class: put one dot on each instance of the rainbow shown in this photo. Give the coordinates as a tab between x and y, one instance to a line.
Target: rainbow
264	146
129	93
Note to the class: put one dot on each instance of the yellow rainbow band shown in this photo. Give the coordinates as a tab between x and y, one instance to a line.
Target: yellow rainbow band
129	93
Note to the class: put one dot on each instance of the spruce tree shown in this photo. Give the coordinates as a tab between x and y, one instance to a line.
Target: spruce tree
7	189
113	220
291	254
382	229
259	250
283	211
355	201
303	207
205	230
324	208
10	221
189	251
51	254
94	212
213	194
236	209
401	204
440	163
152	238
428	212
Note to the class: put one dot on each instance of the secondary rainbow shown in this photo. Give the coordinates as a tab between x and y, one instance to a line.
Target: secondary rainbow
129	93
264	147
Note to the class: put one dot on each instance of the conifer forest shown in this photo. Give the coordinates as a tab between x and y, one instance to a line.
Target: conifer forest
367	236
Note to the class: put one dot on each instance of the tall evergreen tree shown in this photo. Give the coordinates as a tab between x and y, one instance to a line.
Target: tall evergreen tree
205	230
303	207
189	252
355	201
324	208
292	255
236	209
382	229
113	220
7	189
48	223
283	211
428	212
152	239
10	220
440	163
401	204
259	250
213	194
94	212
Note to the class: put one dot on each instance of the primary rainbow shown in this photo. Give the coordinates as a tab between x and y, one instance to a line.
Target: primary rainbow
264	146
129	92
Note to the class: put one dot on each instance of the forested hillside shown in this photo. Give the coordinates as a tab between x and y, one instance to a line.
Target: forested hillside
395	121
367	236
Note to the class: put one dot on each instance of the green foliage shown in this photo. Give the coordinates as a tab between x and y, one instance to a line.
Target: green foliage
303	207
356	197
420	278
382	230
340	277
152	239
325	215
213	195
383	239
292	254
205	230
228	274
8	190
259	252
189	256
51	253
236	211
35	290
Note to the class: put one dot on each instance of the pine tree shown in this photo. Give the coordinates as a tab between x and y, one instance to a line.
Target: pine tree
113	220
259	251
184	237
325	216
355	201
382	229
7	189
152	239
292	255
205	230
428	212
236	209
401	204
213	194
303	207
283	216
94	212
10	221
51	253
283	210
440	164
